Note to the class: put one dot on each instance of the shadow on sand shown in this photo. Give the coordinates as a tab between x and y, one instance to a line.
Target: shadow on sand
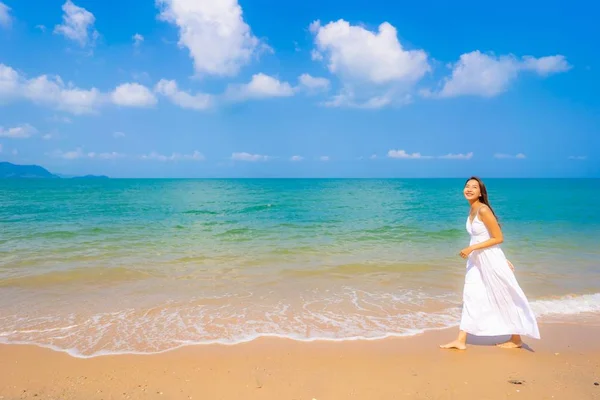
492	341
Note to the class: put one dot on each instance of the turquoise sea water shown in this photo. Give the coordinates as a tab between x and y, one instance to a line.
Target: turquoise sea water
114	266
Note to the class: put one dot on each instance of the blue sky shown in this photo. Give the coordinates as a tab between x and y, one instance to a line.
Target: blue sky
200	88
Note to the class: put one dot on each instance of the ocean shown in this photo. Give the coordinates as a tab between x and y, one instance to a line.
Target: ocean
95	267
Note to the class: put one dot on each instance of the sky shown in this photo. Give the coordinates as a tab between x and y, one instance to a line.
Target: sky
329	88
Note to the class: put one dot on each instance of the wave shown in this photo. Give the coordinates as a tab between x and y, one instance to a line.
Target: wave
133	331
243	210
257	208
389	232
96	231
235	231
201	212
55	235
353	269
568	305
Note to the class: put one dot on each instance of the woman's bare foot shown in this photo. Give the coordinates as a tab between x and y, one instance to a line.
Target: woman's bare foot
457	344
514	342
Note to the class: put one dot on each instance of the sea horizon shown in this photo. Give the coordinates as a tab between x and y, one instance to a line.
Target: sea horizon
484	178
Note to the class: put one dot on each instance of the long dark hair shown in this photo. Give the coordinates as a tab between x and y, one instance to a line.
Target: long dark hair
483	198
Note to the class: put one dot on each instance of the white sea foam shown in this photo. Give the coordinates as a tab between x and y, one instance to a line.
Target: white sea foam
568	305
347	316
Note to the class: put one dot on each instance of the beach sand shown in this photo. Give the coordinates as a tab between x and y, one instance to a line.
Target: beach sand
565	364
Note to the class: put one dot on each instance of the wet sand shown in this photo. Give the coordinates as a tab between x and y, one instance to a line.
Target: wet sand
565	364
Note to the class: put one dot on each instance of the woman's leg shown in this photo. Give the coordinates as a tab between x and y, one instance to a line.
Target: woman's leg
460	343
515	342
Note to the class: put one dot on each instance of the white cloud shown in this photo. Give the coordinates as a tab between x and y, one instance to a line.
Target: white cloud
357	53
52	91
374	68
373	157
118	134
69	155
41	28
80	154
313	83
47	136
261	86
169	89
580	158
505	156
324	158
316	56
480	74
5	17
105	156
137	39
133	95
348	98
487	75
195	156
218	39
314	27
296	158
23	131
78	24
249	157
9	82
405	155
545	66
459	156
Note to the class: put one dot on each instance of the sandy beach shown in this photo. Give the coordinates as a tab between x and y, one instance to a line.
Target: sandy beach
565	364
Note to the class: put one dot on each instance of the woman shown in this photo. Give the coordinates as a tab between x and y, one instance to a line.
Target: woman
493	302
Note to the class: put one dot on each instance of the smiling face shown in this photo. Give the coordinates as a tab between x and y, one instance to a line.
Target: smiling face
472	190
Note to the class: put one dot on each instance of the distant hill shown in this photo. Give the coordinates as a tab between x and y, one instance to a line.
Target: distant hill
9	170
14	171
90	177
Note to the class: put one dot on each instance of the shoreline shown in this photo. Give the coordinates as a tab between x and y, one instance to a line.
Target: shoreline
564	364
583	318
216	343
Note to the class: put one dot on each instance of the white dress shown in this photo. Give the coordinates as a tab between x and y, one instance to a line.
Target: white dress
493	302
